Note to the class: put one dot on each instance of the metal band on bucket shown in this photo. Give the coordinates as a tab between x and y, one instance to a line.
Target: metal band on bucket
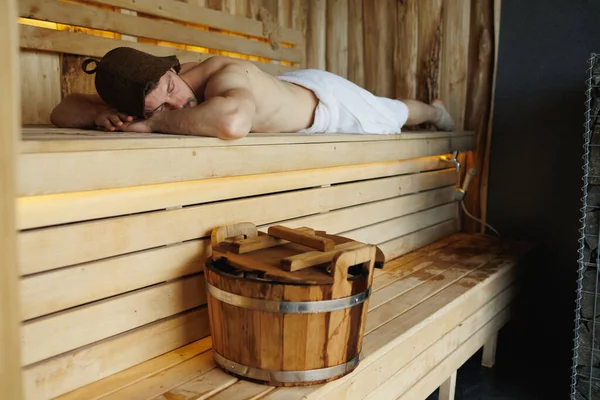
288	307
309	375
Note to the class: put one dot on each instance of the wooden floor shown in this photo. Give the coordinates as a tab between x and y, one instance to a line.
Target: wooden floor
430	310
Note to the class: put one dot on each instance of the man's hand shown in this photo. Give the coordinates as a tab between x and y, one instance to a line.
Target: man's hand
144	126
112	120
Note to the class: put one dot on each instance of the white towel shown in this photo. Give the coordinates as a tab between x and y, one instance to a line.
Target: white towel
345	107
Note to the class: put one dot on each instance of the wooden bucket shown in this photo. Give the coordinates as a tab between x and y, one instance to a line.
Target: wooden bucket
287	308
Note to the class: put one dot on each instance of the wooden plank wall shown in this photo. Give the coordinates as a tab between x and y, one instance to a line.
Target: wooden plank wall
419	49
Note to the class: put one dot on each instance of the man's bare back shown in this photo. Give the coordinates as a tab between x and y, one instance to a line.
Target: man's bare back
279	106
228	98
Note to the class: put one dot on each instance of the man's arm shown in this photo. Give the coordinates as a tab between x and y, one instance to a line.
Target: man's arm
87	111
227	112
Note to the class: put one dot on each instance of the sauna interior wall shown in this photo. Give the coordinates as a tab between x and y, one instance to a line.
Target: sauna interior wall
420	49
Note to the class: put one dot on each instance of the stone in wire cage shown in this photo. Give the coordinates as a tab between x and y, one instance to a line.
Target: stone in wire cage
585	382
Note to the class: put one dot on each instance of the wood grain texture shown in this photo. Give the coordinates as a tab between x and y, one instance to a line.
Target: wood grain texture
72	77
195	14
65	288
356	52
49	139
478	115
316	35
40	85
92	17
105	238
336	58
94	46
486	164
116	382
40	211
68	287
429	43
55	173
97	321
406	50
416	345
454	64
243	336
379	38
10	121
67	372
303	238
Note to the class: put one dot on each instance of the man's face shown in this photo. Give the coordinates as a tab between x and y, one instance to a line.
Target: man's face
171	93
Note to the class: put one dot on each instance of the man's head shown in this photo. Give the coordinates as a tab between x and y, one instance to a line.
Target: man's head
135	82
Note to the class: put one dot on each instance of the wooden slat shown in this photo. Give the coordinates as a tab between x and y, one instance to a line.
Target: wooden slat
348	219
454	360
51	248
56	334
68	287
50	139
388	230
194	14
397	268
486	161
380	29
404	279
397	305
77	171
443	320
168	379
477	112
73	79
284	13
113	383
406	50
40	86
37	211
243	390
405	244
389	348
64	288
10	121
455	55
93	17
202	387
356	54
336	59
316	37
420	371
81	367
429	42
95	46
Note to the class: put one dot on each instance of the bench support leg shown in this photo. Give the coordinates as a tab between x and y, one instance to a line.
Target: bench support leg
448	388
489	352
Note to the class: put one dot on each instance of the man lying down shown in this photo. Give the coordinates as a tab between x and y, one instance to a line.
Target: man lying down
227	98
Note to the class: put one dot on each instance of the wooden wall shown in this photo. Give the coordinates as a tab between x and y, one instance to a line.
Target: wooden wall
419	49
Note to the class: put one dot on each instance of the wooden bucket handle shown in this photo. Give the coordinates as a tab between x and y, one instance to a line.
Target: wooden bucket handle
246	229
342	261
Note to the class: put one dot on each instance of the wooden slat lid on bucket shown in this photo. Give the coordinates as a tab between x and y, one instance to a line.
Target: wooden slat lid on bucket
286	255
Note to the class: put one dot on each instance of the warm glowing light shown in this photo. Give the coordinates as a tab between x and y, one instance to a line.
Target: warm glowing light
191	48
35	22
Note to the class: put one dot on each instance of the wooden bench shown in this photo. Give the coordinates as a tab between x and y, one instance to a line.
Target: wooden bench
111	254
113	230
430	311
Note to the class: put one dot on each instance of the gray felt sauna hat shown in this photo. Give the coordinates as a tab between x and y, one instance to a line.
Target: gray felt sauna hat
124	76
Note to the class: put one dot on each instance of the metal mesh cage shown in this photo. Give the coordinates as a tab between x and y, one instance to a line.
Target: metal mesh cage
585	381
